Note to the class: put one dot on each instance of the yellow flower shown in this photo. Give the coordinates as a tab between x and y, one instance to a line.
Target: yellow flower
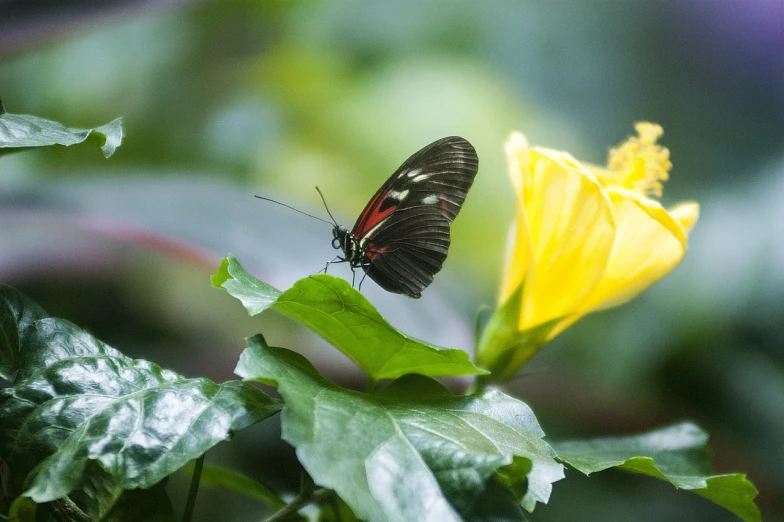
585	238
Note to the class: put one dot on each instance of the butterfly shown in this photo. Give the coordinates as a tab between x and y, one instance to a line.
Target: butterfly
401	238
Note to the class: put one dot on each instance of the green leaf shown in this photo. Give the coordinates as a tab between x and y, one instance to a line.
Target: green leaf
412	451
22	510
677	454
228	480
255	295
22	131
341	315
497	504
82	416
17	314
336	511
98	494
150	505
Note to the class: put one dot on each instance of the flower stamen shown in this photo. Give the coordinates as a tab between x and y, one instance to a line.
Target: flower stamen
640	164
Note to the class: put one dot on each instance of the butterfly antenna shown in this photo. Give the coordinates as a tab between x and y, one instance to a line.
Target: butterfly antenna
297	210
326	207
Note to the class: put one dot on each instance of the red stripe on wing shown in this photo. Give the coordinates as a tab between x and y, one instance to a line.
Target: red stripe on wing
372	253
372	215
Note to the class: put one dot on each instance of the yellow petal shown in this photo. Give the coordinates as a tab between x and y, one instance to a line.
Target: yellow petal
584	238
571	229
686	213
649	243
518	250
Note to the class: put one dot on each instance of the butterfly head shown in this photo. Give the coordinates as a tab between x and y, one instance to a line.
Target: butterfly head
339	237
342	239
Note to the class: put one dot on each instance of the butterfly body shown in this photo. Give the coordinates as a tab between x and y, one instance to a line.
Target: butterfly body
401	238
343	240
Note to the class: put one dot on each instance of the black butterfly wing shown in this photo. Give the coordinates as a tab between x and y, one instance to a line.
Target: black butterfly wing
405	254
404	230
439	175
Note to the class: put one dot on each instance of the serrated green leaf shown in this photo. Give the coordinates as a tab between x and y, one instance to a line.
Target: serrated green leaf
411	452
82	416
341	315
677	454
17	314
23	131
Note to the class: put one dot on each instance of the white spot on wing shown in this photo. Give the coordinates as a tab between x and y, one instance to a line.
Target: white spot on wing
413	172
421	177
430	200
398	195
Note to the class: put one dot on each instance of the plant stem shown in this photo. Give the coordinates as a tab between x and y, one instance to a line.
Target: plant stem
68	510
308	495
478	323
186	517
479	384
322	495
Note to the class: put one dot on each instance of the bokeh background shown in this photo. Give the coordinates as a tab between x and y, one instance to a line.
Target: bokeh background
225	99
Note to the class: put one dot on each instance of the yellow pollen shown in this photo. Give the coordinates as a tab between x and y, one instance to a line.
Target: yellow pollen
640	164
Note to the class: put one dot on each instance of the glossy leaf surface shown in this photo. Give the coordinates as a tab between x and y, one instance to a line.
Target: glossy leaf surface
82	416
17	315
412	451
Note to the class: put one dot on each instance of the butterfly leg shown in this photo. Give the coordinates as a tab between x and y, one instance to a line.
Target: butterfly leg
354	267
362	281
337	259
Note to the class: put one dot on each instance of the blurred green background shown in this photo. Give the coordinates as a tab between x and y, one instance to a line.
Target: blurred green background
225	99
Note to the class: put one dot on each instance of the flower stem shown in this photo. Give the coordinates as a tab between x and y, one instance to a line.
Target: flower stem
480	313
479	384
186	517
